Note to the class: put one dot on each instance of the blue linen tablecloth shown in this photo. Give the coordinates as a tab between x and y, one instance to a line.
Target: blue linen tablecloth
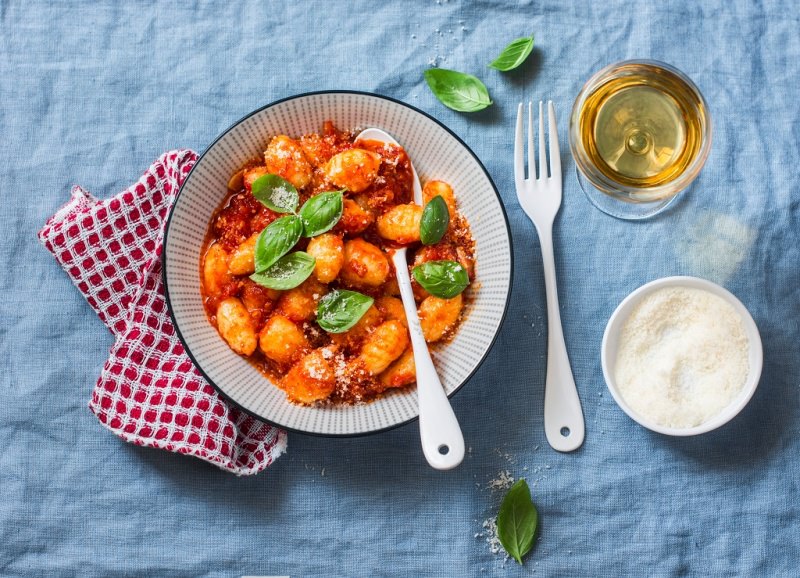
92	92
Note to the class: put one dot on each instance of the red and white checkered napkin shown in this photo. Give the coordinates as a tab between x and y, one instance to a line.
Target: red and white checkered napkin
149	392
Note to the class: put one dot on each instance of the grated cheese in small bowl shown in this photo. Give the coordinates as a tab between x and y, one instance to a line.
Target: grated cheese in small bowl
681	356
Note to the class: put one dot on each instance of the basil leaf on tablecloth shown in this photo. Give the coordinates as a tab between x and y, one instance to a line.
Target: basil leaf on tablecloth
444	279
434	221
276	193
340	309
514	54
457	90
288	272
517	521
321	212
276	240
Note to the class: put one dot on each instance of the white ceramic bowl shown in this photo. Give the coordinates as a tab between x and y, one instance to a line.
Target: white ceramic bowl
617	321
436	153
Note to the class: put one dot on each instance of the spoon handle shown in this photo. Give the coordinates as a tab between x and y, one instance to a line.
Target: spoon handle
442	440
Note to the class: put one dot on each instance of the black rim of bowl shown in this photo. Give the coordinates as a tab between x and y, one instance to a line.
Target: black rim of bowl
188	351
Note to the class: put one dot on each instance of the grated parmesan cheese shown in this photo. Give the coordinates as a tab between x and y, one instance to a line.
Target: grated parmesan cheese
490	535
503	481
315	370
281	196
682	358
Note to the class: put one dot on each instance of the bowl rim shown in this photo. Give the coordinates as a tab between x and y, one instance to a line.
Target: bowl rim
219	137
614	326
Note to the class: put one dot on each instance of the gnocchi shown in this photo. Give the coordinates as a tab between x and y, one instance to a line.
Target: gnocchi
392	308
252	174
353	169
281	340
328	250
355	219
401	372
215	269
242	259
383	346
235	326
365	265
310	379
437	316
278	331
300	303
285	157
440	189
400	224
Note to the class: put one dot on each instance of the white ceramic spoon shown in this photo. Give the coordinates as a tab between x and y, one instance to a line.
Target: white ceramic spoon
442	440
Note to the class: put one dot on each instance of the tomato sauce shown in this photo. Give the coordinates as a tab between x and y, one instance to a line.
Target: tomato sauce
241	216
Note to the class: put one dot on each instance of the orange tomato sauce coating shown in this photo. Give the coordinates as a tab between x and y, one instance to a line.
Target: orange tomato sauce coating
309	364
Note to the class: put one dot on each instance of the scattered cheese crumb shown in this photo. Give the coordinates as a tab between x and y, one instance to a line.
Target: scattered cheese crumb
490	534
505	455
503	481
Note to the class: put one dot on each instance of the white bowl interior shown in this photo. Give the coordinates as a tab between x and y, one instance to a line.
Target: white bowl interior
436	153
611	345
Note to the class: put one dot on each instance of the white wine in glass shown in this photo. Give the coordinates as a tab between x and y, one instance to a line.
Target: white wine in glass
640	132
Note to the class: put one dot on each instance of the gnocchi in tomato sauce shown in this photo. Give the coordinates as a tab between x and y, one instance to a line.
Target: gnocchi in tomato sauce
280	331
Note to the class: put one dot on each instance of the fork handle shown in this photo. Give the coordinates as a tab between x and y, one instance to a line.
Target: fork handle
562	406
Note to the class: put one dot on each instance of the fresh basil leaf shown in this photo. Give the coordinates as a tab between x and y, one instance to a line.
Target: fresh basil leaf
287	272
456	90
276	240
276	193
340	309
434	221
517	521
321	212
444	279
514	54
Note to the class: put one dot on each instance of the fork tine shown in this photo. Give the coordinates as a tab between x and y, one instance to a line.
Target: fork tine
555	155
531	148
542	158
519	159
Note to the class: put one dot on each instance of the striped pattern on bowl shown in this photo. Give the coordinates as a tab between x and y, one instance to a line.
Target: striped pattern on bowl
436	153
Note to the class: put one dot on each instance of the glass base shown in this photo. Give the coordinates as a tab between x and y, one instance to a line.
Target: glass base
617	208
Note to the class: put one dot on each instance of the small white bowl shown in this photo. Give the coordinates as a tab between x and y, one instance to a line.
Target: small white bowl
608	355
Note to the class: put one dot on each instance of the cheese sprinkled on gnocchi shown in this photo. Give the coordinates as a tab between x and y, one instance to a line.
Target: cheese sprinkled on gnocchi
364	349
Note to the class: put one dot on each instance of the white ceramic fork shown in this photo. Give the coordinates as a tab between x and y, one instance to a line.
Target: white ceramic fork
540	199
